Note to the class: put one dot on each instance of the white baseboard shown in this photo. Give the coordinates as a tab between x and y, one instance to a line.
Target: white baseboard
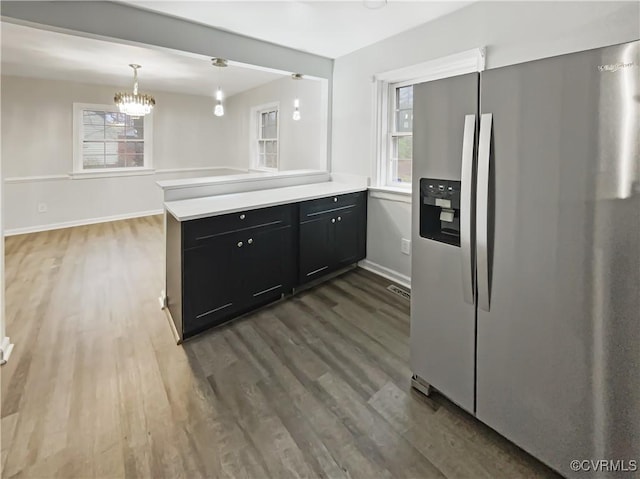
385	272
5	350
88	221
162	299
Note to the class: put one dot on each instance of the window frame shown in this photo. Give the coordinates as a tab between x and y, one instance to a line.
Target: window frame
79	171
256	116
384	85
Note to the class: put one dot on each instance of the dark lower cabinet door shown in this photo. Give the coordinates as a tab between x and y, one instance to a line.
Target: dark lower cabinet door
316	248
267	268
348	237
210	282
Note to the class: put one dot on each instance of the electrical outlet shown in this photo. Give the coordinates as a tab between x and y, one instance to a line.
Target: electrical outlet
405	246
42	207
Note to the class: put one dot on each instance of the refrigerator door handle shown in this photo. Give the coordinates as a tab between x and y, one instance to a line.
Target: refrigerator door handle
482	204
466	207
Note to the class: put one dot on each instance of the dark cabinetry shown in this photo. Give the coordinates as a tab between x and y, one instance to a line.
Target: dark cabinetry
268	267
230	264
332	234
223	266
210	286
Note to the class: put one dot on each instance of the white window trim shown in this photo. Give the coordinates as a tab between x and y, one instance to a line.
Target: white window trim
254	129
452	65
79	172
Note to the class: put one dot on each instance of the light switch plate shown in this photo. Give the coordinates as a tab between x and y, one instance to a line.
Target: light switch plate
405	246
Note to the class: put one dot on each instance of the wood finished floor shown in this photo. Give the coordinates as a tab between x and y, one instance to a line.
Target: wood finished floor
314	386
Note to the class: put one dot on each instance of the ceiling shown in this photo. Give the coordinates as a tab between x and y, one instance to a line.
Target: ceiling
39	53
328	28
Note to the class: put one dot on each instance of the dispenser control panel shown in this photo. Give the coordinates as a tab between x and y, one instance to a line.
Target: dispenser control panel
440	210
444	193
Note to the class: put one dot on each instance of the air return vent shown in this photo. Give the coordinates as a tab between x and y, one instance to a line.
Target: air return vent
399	291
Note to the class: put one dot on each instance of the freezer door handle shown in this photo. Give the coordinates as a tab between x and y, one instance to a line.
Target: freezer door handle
466	207
482	202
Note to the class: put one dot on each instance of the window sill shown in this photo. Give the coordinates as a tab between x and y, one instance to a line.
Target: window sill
391	193
82	175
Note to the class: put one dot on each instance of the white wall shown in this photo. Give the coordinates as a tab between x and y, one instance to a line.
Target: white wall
513	32
303	143
37	141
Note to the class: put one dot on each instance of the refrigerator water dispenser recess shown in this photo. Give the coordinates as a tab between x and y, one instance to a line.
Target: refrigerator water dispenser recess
440	210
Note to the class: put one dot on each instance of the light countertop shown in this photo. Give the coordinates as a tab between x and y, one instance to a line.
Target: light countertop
240	177
184	210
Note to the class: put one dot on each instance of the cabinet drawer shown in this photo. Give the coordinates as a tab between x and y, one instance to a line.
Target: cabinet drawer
331	204
200	231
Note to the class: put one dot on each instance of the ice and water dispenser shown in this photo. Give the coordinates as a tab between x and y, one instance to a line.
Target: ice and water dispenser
440	210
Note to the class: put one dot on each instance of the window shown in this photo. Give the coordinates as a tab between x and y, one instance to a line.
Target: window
267	139
107	141
400	135
393	93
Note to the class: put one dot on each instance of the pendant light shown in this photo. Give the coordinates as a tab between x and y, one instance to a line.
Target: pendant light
218	109
134	104
296	102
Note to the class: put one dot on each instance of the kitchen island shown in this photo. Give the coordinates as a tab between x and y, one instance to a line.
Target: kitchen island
229	254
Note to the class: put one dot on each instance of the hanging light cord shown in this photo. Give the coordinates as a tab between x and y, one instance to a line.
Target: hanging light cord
135	78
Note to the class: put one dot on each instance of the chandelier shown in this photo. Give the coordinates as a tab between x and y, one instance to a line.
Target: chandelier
134	104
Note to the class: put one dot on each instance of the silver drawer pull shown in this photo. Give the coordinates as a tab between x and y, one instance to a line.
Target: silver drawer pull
333	220
242	216
335	200
250	240
339	218
239	244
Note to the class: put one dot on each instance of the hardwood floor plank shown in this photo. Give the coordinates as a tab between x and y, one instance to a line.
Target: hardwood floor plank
7	431
376	327
135	445
219	440
306	372
316	455
377	286
375	350
342	355
384	351
402	459
299	388
420	426
383	300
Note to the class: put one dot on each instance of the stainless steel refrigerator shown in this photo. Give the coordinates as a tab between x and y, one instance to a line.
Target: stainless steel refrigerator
525	306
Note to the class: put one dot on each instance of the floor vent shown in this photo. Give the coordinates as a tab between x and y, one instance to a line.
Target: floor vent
399	291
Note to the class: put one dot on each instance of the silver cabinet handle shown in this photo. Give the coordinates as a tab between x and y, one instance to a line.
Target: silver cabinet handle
335	200
333	220
339	218
466	208
482	202
239	244
242	216
250	240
